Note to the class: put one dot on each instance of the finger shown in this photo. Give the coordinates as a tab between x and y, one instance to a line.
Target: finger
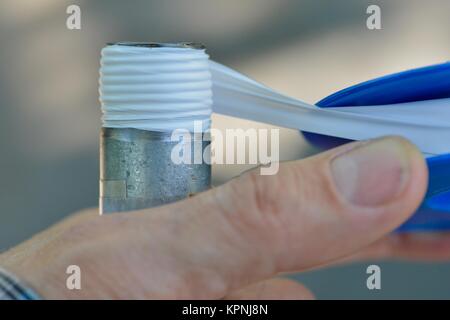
411	246
311	212
273	289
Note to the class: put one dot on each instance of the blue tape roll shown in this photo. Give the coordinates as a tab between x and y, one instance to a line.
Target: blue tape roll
431	82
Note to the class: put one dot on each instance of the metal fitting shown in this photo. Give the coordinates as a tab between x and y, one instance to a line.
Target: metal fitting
136	169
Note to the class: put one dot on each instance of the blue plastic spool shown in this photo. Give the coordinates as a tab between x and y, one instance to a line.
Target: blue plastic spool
432	82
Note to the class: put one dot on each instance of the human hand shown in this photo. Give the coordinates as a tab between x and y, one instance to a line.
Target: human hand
231	241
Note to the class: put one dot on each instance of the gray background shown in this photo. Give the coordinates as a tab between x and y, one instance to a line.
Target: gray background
50	115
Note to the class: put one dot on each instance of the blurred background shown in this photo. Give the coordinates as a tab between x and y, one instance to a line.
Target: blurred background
50	114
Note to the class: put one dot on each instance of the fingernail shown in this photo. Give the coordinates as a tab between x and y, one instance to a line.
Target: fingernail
373	173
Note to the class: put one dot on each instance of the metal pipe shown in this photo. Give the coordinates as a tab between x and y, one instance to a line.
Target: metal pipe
136	169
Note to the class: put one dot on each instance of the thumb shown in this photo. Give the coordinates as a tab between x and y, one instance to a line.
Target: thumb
313	211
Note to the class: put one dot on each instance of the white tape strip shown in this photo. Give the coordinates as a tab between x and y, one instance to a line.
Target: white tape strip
158	89
426	123
168	88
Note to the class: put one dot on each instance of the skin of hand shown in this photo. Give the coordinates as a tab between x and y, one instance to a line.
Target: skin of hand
232	241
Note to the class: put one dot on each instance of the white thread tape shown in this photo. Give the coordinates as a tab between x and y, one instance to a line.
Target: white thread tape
157	89
168	88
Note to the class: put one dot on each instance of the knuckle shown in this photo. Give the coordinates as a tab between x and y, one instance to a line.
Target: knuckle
263	214
266	196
